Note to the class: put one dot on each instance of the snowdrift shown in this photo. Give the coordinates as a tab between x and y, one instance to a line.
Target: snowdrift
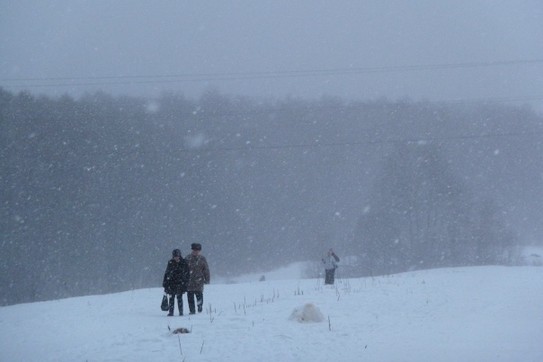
457	314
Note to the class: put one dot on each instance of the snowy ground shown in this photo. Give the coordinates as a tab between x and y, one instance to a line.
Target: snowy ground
460	314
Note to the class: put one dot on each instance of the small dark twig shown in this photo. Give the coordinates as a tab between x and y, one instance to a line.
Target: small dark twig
180	349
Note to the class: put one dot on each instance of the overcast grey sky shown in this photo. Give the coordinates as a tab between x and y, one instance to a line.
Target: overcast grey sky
143	44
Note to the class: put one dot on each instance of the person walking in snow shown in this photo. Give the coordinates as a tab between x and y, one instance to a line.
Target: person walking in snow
198	276
330	261
175	281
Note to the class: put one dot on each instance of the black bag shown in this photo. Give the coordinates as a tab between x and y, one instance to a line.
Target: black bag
164	306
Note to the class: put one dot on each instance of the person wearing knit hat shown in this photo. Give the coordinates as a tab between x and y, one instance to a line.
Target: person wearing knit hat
175	281
198	276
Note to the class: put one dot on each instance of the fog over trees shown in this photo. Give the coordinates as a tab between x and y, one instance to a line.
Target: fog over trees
96	191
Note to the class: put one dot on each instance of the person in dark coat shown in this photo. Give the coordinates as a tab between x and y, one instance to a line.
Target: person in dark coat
330	261
198	276
175	281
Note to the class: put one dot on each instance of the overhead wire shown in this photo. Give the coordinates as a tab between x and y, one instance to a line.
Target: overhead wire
318	144
225	76
198	77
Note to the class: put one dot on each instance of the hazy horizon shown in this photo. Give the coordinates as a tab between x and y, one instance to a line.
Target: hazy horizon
451	50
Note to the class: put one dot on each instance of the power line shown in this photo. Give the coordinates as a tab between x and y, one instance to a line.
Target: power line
421	140
309	110
225	76
493	99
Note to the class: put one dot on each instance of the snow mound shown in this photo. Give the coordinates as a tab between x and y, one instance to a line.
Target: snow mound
308	313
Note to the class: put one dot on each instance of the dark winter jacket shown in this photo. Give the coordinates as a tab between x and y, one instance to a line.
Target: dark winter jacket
176	277
198	273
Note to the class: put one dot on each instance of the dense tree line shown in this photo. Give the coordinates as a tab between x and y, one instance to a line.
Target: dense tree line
421	215
96	191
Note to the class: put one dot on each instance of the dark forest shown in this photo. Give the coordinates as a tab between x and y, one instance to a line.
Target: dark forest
97	191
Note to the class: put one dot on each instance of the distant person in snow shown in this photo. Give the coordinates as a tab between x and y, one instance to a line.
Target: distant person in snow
175	281
198	276
330	261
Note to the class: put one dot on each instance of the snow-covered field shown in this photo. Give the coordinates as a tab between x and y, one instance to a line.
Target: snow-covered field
457	314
